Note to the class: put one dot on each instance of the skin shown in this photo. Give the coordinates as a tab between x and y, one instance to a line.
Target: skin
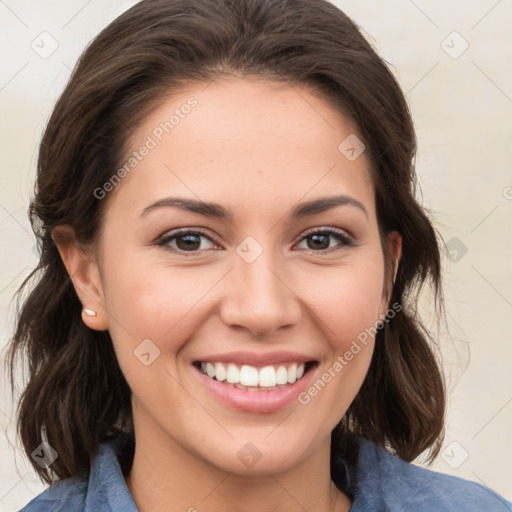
258	148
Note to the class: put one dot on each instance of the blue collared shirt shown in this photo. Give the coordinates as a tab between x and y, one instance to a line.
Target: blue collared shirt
381	482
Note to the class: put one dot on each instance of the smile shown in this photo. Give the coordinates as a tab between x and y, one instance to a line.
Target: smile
250	377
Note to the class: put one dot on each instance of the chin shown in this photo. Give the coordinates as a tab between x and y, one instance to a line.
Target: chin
253	458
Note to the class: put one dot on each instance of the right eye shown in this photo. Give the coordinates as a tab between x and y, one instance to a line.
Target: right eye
186	241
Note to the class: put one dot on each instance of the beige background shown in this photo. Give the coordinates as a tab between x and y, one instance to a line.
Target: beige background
461	100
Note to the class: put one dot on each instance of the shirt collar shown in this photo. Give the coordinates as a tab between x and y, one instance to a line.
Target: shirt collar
107	487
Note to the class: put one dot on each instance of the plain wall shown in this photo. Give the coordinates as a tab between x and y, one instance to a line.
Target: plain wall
461	101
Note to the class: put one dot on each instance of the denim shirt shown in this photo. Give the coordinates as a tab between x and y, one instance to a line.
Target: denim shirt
381	482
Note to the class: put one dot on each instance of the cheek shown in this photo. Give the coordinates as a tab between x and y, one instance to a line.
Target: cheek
348	300
152	302
346	307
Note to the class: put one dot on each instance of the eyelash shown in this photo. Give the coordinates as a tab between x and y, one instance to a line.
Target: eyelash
347	241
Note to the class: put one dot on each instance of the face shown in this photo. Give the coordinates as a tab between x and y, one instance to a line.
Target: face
271	283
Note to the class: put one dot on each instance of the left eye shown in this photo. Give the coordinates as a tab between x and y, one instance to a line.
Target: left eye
321	238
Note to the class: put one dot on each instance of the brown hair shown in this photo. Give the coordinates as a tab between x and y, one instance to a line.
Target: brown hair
76	391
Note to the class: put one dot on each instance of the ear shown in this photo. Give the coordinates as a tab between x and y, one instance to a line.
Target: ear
82	267
394	247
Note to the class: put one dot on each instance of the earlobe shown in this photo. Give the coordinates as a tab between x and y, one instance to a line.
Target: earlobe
83	271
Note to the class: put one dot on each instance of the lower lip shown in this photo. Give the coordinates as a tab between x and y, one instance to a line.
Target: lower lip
256	401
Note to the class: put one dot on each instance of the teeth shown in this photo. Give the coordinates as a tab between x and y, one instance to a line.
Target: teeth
233	374
281	375
266	377
220	372
292	373
210	370
248	376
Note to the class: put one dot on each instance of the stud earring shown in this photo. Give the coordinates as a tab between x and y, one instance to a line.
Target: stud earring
89	312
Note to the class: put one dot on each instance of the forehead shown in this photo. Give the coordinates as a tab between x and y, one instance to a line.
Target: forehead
245	144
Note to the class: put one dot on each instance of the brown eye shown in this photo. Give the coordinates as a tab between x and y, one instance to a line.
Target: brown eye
185	241
318	241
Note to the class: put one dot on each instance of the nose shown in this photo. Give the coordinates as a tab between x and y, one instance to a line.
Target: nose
259	298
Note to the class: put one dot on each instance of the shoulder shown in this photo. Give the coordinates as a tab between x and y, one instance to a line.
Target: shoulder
64	495
386	482
103	488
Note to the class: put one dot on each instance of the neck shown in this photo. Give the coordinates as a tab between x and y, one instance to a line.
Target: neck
166	476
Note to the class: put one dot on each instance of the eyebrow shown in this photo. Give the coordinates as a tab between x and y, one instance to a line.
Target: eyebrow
216	210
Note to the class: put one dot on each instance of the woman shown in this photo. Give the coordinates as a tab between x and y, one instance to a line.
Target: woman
223	317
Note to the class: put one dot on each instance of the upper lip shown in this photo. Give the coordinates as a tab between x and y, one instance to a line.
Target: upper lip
256	359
